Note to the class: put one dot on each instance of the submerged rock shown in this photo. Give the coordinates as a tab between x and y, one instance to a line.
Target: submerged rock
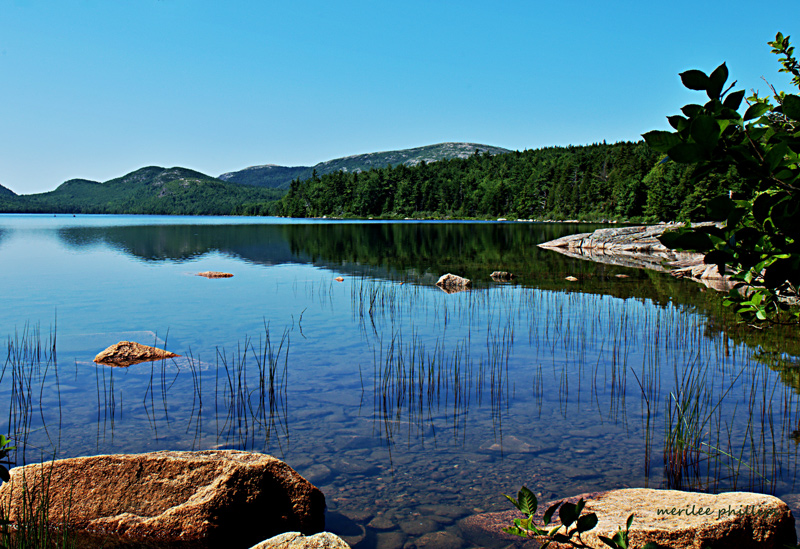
451	283
210	497
214	274
502	275
296	540
127	353
670	518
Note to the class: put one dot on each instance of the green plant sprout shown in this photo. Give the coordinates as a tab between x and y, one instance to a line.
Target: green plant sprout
5	450
572	521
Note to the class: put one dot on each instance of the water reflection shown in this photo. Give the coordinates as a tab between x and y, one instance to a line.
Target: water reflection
399	400
398	248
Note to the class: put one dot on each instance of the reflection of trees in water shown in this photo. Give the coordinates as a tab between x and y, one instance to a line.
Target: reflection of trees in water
420	253
254	243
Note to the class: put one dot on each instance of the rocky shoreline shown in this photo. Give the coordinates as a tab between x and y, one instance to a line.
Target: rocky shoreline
639	247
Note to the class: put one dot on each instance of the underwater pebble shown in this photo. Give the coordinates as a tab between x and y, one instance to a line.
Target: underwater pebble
439	540
452	511
315	474
389	540
381	523
418	526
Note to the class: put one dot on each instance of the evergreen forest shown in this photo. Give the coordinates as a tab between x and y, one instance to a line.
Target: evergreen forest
625	181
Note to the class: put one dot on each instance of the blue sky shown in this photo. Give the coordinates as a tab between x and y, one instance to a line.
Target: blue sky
98	88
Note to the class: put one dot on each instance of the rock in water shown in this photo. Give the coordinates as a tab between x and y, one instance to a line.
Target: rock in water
296	540
670	518
214	274
502	275
210	497
451	283
126	353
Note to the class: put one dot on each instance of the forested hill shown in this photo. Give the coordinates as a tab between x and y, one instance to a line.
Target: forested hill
150	190
271	175
603	181
6	192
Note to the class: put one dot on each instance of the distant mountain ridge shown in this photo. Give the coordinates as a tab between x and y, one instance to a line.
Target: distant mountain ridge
270	175
149	190
6	191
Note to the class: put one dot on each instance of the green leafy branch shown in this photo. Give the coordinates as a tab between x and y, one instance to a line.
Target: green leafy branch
758	241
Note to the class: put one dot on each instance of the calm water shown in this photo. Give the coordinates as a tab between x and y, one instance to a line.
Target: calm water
410	408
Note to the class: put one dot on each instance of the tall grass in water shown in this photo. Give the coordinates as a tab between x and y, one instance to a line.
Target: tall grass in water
254	402
712	415
458	350
29	365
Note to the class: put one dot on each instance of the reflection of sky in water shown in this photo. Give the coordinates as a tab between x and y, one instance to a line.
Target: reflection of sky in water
429	399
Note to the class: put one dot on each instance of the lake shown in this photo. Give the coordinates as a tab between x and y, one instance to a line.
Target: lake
410	408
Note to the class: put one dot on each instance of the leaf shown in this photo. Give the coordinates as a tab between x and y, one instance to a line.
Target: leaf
716	81
755	110
775	155
512	500
686	153
661	141
719	258
527	501
568	514
734	100
630	521
761	206
586	522
705	131
678	122
621	539
608	541
516	532
687	240
692	110
561	538
4	474
719	207
791	107
695	80
548	515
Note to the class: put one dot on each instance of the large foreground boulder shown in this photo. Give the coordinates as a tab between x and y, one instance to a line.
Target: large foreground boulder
670	518
127	353
171	497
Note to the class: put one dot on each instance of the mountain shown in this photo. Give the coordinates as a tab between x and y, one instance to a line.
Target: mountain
268	175
150	190
6	192
274	176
